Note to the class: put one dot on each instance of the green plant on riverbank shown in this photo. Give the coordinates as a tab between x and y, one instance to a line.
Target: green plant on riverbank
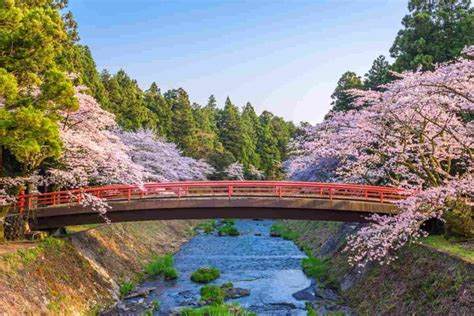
170	273
211	294
218	310
208	227
283	231
158	265
205	274
312	266
228	221
126	287
228	230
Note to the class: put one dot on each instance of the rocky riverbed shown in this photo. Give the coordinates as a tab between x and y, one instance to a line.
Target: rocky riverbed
265	270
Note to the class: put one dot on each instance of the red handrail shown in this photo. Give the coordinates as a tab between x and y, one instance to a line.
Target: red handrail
229	189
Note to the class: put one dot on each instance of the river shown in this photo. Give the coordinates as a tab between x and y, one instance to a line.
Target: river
269	267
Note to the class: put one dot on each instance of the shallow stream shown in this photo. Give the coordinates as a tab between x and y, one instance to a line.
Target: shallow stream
269	267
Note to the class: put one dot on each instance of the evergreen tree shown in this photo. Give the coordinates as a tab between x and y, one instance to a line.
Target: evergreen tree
267	147
157	104
281	133
88	74
250	126
378	74
230	127
211	112
435	31
342	99
127	101
206	138
33	82
183	127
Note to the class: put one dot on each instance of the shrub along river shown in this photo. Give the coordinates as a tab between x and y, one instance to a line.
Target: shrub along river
265	270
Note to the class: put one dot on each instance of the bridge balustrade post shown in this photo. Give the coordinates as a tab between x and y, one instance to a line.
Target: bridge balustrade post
129	194
21	201
381	197
330	193
229	191
179	192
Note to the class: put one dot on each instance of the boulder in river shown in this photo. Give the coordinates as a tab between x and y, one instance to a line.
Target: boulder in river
275	234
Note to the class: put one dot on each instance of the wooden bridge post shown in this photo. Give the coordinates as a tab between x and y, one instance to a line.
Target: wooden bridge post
21	201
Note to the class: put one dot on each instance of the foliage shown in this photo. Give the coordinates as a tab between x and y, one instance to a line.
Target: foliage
457	247
378	75
221	310
183	128
228	230
433	32
342	98
212	294
126	101
459	219
235	171
411	135
158	265
228	221
170	273
208	227
126	288
92	153
205	274
33	82
162	160
314	267
283	231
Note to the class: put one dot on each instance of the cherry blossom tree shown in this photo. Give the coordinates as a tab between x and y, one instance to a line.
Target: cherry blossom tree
160	160
235	171
92	153
415	134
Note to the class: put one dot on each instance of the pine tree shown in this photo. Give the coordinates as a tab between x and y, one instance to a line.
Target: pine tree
378	74
157	104
250	126
230	127
183	127
207	140
267	147
433	32
282	135
342	99
127	102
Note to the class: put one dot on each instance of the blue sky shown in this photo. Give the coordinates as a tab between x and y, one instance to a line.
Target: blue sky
282	56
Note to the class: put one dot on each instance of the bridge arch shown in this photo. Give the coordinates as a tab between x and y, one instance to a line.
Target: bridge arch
214	199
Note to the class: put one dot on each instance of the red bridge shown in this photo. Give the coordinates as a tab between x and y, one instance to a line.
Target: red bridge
212	199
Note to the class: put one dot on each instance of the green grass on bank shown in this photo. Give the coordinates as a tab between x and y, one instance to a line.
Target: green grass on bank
284	231
218	310
460	249
81	228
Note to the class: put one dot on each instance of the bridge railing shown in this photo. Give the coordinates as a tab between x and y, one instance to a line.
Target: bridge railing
203	189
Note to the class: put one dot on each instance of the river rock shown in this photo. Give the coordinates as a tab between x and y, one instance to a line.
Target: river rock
258	234
235	292
275	234
144	292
